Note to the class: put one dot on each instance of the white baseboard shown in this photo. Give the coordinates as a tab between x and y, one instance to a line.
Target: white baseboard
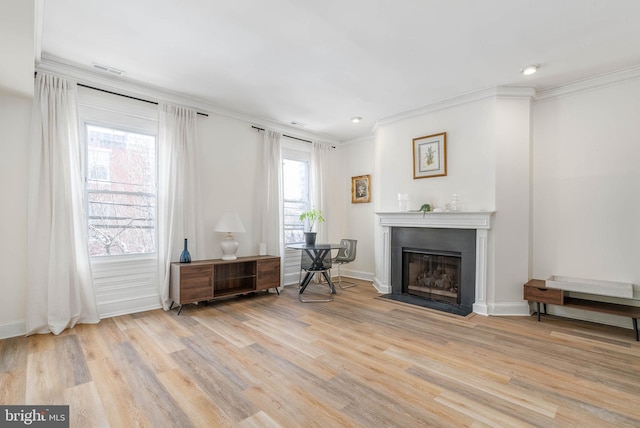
480	309
365	276
128	306
510	309
13	330
383	289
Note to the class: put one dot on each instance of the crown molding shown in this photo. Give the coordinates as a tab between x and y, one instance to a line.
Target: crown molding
599	81
361	139
498	91
515	92
123	85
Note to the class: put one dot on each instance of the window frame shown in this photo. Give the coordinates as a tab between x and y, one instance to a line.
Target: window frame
301	152
120	114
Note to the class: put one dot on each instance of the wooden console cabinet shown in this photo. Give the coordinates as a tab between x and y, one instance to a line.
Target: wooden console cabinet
205	280
536	291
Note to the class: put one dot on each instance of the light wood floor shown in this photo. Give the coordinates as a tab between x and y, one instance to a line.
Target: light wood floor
272	361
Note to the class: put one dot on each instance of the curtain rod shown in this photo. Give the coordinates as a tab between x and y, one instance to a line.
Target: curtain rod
129	96
289	136
122	95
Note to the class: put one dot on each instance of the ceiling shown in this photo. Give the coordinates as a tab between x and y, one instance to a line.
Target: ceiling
323	62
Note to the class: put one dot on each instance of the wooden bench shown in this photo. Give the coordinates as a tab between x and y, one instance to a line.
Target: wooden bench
537	291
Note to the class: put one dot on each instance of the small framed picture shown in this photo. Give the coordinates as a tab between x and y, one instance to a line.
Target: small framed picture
430	156
360	189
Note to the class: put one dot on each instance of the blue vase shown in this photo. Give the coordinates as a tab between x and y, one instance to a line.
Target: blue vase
185	257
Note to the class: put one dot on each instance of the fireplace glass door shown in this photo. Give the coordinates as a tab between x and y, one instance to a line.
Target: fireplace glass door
433	275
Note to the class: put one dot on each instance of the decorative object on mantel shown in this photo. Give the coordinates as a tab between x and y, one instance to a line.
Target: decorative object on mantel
361	189
430	156
402	201
456	203
185	257
310	218
229	223
425	208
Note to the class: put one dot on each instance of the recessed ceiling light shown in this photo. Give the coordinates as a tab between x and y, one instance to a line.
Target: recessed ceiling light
530	69
296	123
356	119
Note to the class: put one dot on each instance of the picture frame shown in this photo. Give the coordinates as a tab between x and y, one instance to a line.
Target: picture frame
430	156
361	189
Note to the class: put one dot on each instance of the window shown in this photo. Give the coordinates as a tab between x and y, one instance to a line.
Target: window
295	177
121	191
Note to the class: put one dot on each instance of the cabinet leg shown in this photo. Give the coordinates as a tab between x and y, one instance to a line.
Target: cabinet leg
538	310
180	310
545	308
277	291
171	305
635	328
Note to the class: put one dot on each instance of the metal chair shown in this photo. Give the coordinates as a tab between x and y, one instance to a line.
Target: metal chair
345	255
313	266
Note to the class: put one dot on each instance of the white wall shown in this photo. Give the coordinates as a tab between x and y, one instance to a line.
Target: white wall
15	117
471	139
359	219
230	167
16	92
510	232
17	46
586	186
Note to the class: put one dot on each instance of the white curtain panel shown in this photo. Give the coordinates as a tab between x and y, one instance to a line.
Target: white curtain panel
272	220
179	213
319	176
60	291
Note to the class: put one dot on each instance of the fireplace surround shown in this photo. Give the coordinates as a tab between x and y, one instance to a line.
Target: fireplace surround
478	223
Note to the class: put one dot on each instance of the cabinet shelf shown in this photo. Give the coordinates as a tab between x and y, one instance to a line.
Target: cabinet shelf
205	280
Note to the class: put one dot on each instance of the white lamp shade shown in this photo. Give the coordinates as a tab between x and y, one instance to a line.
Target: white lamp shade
230	222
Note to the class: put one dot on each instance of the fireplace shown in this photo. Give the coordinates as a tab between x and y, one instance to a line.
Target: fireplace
434	268
475	252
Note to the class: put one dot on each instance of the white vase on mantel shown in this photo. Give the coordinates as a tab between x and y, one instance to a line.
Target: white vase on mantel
456	203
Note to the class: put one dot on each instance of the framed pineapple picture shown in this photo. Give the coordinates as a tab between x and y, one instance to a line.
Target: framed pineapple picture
430	156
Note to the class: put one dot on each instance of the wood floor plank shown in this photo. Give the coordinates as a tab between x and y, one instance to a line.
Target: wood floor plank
72	367
259	420
230	329
44	385
223	391
201	409
13	370
117	395
161	408
163	330
89	412
153	355
265	360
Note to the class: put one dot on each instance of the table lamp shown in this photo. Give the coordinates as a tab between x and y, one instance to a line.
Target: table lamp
229	223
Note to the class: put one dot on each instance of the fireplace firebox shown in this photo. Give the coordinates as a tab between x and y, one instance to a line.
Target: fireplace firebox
434	268
433	275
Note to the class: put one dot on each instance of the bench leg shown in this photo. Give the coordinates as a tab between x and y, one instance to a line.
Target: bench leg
635	328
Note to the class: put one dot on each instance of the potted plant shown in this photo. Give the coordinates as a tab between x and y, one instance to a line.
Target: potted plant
310	218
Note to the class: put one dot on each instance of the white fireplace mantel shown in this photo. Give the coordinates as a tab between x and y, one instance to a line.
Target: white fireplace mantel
480	221
448	220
